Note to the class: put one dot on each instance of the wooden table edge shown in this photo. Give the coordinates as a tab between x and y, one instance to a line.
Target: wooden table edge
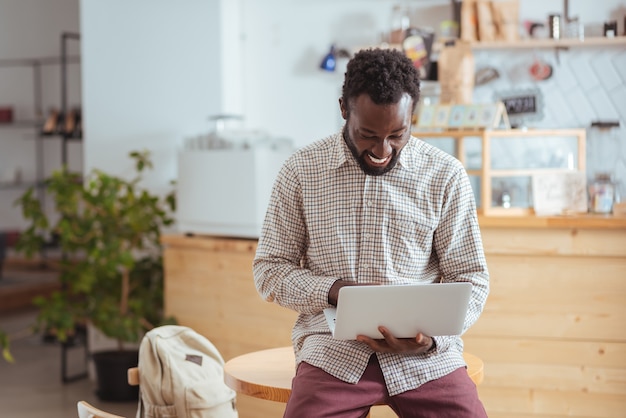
244	386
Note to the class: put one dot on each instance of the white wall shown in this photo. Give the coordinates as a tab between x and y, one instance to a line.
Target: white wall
284	42
593	13
32	28
152	74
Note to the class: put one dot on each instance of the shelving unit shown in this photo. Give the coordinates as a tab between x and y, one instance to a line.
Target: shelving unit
551	43
530	43
13	128
486	171
35	65
30	125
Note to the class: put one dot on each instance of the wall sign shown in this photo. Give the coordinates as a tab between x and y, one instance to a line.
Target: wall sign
522	105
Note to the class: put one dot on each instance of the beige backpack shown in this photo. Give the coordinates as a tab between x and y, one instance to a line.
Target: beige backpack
181	375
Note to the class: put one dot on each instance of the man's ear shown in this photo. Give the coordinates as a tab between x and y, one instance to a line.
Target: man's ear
344	111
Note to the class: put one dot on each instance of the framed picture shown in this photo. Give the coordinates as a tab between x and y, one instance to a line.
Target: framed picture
470	118
442	114
493	115
487	114
558	193
426	116
457	116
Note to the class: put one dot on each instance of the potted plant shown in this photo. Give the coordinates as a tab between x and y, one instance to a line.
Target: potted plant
111	272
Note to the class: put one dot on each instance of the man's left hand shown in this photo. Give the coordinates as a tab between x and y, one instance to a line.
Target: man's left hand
421	344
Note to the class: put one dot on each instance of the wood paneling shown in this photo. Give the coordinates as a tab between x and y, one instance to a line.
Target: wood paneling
552	336
508	401
211	289
554	242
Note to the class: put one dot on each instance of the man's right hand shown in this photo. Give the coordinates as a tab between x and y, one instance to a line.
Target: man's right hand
421	344
333	293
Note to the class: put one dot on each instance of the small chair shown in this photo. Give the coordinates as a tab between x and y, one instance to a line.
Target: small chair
86	410
133	376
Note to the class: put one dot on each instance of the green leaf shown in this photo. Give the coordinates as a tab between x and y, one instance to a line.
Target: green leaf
4	344
104	224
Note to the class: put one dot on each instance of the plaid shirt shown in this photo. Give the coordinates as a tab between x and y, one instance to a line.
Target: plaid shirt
327	220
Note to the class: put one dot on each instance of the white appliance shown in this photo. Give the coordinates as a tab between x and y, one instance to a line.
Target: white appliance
225	192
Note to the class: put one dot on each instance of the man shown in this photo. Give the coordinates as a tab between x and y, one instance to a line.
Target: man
372	205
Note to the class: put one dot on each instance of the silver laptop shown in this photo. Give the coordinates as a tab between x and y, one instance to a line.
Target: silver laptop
406	310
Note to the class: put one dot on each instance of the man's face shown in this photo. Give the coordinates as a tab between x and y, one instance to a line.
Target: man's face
376	133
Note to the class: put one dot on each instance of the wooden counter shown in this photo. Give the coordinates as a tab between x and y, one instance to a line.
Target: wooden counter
552	337
589	221
553	333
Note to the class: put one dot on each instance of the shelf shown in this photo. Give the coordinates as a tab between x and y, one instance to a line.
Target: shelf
564	43
21	185
551	43
29	62
61	136
21	124
500	133
37	125
526	172
577	221
486	173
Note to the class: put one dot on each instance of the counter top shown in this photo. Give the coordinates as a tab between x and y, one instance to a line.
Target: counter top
581	221
210	242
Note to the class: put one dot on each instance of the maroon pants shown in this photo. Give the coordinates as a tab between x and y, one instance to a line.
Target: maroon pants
315	393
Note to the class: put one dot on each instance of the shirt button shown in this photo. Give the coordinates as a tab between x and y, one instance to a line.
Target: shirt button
366	266
369	203
367	236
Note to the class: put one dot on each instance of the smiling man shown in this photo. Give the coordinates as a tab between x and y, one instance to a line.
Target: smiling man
371	205
376	133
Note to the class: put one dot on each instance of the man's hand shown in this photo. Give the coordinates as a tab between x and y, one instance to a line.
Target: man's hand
333	293
421	344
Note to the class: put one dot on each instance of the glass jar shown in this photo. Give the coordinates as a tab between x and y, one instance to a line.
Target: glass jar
601	194
399	24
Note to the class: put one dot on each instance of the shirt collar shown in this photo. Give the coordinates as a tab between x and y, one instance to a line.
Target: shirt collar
340	152
406	159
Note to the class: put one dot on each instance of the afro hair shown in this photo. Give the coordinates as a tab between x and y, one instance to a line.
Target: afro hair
383	74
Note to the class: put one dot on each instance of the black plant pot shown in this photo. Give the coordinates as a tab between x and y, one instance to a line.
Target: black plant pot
112	375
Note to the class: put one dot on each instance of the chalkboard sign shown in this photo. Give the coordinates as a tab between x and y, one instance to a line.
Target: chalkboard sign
520	104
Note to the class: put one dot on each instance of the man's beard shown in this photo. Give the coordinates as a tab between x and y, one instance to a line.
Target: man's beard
360	158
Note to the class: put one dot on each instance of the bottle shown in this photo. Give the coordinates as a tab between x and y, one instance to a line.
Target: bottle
554	25
601	194
399	24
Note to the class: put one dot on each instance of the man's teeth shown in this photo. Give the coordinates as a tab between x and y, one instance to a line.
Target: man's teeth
377	160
